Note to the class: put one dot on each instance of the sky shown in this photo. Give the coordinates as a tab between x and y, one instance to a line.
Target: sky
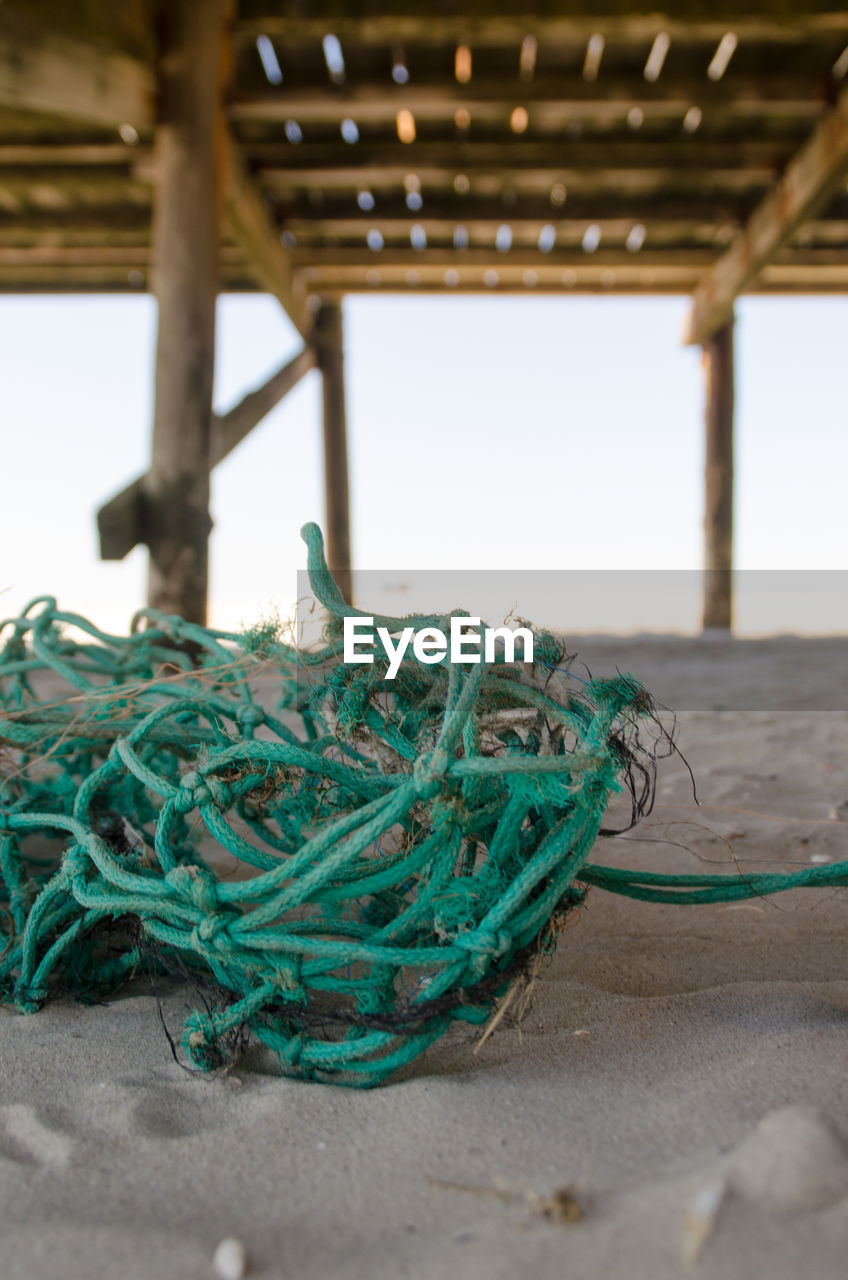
555	441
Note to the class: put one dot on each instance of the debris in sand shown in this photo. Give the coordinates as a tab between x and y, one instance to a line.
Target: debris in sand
701	1217
561	1206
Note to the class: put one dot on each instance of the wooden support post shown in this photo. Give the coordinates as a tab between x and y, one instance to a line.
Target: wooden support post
718	513
329	343
189	145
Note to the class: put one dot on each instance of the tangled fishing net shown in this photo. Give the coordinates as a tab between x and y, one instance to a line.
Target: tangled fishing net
340	870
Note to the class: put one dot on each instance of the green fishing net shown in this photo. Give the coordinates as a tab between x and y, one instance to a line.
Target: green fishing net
338	865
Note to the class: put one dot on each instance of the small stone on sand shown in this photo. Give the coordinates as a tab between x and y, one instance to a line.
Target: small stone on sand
229	1261
794	1160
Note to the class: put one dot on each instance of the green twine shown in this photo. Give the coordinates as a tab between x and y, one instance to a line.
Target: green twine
348	873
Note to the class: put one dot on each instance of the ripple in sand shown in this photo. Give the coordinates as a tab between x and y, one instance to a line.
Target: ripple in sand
27	1137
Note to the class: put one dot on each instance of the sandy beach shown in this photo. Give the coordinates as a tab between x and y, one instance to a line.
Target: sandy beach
673	1104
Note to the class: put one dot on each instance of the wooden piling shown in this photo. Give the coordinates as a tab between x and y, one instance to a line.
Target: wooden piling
718	511
330	347
188	198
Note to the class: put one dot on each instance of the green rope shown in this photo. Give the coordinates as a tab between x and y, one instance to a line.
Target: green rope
342	876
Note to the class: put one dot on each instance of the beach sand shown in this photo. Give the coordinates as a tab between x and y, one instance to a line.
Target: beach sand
680	1079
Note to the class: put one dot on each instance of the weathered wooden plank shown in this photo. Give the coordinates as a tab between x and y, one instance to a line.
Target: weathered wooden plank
548	102
54	279
124	520
126	26
71	189
789	277
506	23
20	236
598	183
381	171
332	164
75	255
121	225
821	266
106	225
514	288
118	259
814	270
718	480
607	280
824	277
691	232
297	209
811	177
44	72
122	239
63	156
185	237
251	225
329	342
310	260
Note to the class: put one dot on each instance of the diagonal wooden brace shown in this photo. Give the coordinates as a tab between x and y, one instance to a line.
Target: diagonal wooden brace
129	519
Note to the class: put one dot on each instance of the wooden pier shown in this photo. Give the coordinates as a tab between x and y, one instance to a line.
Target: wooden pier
312	151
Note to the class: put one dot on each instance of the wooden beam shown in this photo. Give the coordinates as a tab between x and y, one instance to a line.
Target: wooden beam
491	170
44	72
20	237
65	192
791	277
687	232
332	165
186	223
780	281
48	254
126	26
329	341
335	272
507	23
587	286
548	102
718	475
66	156
230	429
126	265
251	225
67	280
818	262
510	278
124	520
113	227
824	274
311	260
695	241
811	177
296	209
